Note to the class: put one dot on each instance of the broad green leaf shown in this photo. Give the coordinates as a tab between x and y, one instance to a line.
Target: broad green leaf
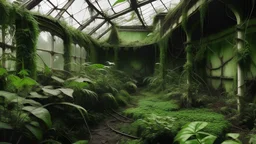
21	100
40	113
233	135
208	139
5	126
27	81
69	104
23	72
90	93
5	143
8	96
80	79
96	66
67	91
197	126
3	71
58	79
50	141
54	92
230	142
118	1
194	141
252	139
37	95
36	131
81	142
182	137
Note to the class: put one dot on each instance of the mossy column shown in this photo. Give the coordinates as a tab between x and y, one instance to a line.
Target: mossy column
189	64
188	67
26	39
3	48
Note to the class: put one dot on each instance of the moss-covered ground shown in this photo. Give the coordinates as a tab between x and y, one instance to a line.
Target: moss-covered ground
156	104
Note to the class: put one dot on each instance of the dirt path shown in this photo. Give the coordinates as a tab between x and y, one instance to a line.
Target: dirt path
103	134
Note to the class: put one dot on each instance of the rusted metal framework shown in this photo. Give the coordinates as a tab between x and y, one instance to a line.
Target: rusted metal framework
95	17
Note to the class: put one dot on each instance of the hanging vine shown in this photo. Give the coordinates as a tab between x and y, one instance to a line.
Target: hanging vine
27	32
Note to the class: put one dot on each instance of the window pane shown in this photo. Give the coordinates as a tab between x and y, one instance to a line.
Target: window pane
1	40
73	50
45	41
78	51
58	45
58	62
73	64
10	62
43	57
78	64
83	53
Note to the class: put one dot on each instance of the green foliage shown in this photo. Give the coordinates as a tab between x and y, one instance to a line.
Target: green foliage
26	35
130	87
21	85
192	133
162	107
130	142
172	80
81	142
232	139
30	120
118	1
3	72
113	38
163	45
243	56
155	126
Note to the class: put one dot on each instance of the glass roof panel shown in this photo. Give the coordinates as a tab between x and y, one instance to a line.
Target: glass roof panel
93	25
127	19
121	6
90	20
101	30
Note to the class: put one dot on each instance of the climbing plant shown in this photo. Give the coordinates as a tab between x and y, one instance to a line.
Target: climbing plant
27	32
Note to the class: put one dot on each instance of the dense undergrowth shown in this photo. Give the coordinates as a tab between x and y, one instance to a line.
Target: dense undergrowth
164	114
159	120
57	108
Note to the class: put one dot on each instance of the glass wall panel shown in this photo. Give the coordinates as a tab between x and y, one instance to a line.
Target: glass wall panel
58	62
43	57
58	45
45	41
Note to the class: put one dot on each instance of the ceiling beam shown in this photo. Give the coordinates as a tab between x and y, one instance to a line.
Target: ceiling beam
140	4
32	4
105	32
64	8
96	28
134	6
87	22
98	11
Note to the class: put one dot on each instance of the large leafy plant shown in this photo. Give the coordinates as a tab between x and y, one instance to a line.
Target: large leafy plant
192	133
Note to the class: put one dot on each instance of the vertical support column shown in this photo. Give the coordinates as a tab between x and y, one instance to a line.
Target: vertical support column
240	71
3	48
189	67
52	52
189	63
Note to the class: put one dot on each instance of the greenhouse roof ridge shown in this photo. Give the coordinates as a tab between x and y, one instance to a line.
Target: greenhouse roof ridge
95	17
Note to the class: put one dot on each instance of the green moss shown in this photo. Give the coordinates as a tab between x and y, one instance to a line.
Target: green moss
151	105
162	107
26	35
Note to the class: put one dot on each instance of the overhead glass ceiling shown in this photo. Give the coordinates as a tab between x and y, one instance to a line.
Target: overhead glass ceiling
95	17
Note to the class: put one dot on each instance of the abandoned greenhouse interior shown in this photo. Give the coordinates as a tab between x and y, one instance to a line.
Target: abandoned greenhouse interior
127	72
